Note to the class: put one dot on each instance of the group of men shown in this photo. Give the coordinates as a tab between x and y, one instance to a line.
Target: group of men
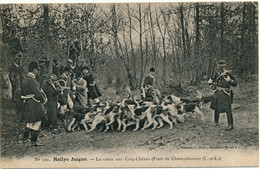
39	97
72	84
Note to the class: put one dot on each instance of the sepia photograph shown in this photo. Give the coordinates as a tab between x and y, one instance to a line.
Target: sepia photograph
149	84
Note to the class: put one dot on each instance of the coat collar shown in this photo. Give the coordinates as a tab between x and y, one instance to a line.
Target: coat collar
30	74
150	75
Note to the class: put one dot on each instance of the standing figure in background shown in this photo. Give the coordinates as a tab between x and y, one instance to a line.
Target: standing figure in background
64	97
56	68
147	88
43	64
34	99
80	65
72	67
80	87
93	91
223	95
52	93
16	78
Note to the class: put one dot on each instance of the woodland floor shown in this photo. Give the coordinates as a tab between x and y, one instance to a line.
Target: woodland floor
193	132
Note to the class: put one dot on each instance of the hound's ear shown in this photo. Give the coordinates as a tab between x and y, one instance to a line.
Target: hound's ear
178	106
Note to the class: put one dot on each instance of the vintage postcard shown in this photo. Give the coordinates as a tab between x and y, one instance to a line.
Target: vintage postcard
127	84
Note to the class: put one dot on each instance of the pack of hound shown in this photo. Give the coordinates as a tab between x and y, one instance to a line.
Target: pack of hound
134	114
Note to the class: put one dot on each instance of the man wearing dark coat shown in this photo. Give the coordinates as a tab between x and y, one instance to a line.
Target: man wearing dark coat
223	95
33	100
93	90
147	88
52	93
16	77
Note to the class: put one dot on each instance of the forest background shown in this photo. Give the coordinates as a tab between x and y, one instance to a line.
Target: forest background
120	42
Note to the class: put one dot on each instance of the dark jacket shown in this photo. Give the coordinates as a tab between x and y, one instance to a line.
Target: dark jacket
223	95
51	105
148	81
33	107
93	90
148	84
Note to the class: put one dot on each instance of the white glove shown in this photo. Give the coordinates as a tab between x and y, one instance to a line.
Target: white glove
58	105
210	81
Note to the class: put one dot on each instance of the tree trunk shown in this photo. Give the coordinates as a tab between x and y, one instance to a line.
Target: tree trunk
153	37
222	29
183	32
47	35
242	55
197	43
132	48
141	43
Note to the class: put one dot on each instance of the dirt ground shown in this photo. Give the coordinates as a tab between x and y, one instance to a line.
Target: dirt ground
192	133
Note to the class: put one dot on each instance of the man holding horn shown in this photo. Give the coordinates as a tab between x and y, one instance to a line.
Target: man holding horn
33	100
223	95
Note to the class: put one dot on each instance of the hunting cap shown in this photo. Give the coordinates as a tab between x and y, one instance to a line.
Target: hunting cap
152	69
221	63
33	65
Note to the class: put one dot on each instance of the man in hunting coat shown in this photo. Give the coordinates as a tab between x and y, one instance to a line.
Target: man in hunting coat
223	95
93	90
33	100
52	93
147	88
16	77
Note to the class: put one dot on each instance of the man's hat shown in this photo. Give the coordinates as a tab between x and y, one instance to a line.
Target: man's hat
33	65
152	69
221	63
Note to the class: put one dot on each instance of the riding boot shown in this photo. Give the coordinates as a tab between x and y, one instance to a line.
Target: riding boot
26	133
230	121
216	118
34	139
